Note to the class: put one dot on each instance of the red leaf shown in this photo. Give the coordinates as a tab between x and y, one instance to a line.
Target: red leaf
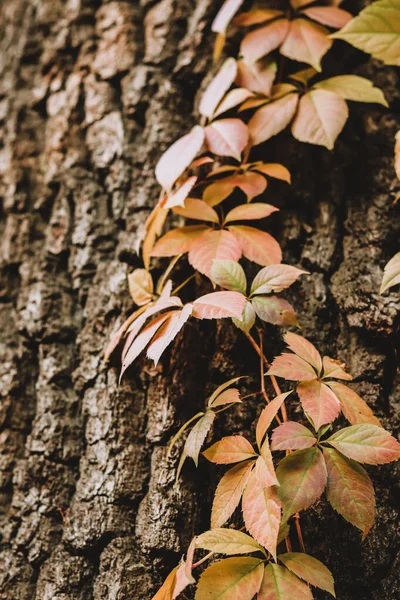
366	443
306	42
178	157
257	245
225	15
262	513
219	244
231	449
262	41
228	493
272	118
257	210
197	209
227	137
219	305
257	77
179	241
167	333
218	87
304	349
354	408
268	415
292	436
292	367
319	402
328	15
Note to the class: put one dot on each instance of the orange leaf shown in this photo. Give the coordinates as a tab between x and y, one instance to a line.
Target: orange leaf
262	513
230	396
219	244
140	286
256	16
274	170
153	228
184	575
251	184
321	117
257	77
167	333
397	154
218	87
292	367
228	493
178	196
178	157
272	118
328	15
219	305
197	209
268	415
304	349
257	245
227	137
262	41
318	402
279	583
167	589
292	436
306	42
231	449
354	408
334	368
179	241
248	212
116	338
219	190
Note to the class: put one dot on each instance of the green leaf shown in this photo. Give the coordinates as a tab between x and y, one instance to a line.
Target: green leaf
376	30
231	578
302	477
350	490
248	318
366	443
310	569
280	584
229	275
353	87
228	541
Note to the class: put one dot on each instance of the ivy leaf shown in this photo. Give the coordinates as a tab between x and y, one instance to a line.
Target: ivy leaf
391	275
228	493
230	396
310	569
219	305
248	318
229	274
228	541
353	407
197	209
274	278
376	30
141	286
247	212
366	443
279	583
231	578
251	184
178	157
218	87
262	41
225	15
227	137
220	244
332	16
257	245
302	477
268	415
220	389
257	77
179	240
350	490
197	436
292	436
274	310
306	42
178	196
305	349
292	367
264	467
320	118
273	170
231	449
318	402
334	368
272	118
353	87
262	513
167	333
233	98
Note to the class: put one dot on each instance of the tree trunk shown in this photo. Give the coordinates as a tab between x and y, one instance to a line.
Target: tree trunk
89	99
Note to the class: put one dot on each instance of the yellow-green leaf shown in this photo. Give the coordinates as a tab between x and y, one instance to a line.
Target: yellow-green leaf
310	569
228	541
231	578
280	584
353	87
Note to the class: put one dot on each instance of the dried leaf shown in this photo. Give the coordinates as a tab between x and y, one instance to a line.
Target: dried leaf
227	137
279	583
268	415
197	209
219	305
178	157
179	241
302	477
228	541
275	278
225	15
167	333
391	275
257	245
334	368
218	87
328	15
350	490
292	436
262	41
220	244
318	402
248	212
197	436
228	493
292	367
231	578
366	443
262	513
354	408
231	449
306	42
353	87
272	118
229	274
310	569
304	349
272	309
320	118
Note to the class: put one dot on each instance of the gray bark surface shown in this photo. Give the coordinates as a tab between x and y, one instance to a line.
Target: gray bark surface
91	93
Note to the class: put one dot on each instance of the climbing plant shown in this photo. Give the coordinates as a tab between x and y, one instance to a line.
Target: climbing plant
210	178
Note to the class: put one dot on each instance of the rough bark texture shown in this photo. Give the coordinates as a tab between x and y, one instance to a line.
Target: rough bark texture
91	94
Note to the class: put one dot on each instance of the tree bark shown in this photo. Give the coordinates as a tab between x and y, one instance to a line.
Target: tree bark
91	94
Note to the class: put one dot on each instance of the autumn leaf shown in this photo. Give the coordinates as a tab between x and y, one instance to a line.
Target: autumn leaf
248	318
332	16
225	15
178	157
397	170
219	305
274	278
292	436
272	118
262	41
230	396
231	578
229	492
320	118
116	338
248	212
274	310
305	349
220	244
197	209
257	77
302	477
233	98
318	402
273	170
218	87
350	490
250	183
279	583
292	367
306	42
167	333
268	415
353	407
220	389
258	246
227	137
262	513
184	575
197	436
366	443
231	449
167	589
228	541
229	274
179	240
310	569
264	467
376	30
391	275
353	87
257	16
178	196
141	286
334	368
